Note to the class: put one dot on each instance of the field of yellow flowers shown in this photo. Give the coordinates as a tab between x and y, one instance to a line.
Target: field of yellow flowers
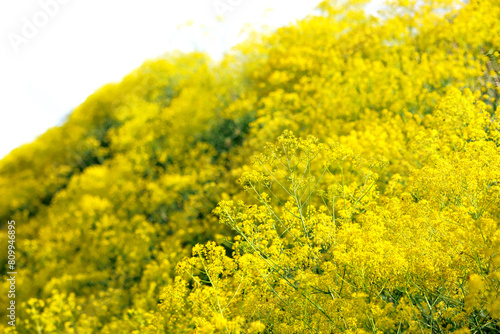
340	175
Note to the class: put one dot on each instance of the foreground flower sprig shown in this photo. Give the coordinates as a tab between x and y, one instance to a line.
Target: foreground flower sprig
347	259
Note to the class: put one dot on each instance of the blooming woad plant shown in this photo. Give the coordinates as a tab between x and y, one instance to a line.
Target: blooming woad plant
319	249
321	235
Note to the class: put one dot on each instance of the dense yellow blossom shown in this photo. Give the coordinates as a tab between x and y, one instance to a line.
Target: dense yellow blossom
338	175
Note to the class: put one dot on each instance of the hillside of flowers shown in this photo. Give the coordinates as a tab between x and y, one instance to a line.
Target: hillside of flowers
338	175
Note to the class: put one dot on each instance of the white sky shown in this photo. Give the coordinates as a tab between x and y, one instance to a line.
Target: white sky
88	43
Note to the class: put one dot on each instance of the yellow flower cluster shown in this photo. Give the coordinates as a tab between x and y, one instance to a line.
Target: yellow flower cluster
423	258
376	208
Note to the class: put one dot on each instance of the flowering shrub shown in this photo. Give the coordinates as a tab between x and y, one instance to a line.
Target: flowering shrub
344	258
376	209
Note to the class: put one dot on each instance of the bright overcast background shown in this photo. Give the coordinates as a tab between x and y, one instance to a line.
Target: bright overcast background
85	44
